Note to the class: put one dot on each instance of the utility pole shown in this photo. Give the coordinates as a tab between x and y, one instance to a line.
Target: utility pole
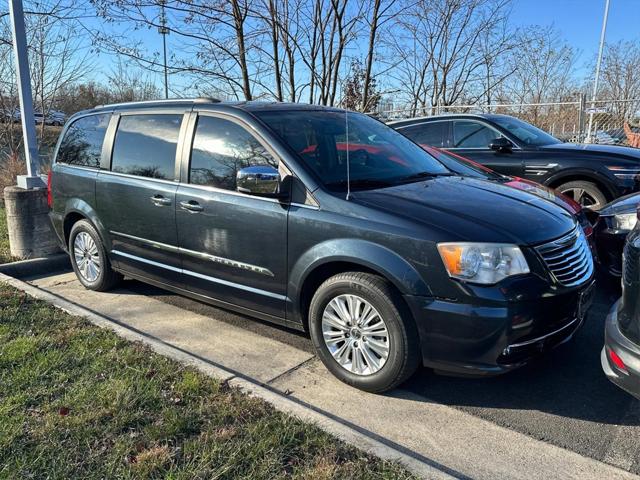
598	63
27	209
32	178
164	31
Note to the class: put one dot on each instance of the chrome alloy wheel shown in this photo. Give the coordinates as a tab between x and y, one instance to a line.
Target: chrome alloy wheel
355	334
85	253
583	197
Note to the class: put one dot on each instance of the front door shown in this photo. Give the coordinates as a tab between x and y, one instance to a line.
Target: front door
136	199
233	244
471	139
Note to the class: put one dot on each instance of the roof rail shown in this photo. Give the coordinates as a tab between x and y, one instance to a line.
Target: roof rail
161	101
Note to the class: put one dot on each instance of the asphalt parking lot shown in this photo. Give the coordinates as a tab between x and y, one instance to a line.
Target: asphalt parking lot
563	399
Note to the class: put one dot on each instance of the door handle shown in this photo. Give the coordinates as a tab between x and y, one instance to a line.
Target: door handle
160	201
192	206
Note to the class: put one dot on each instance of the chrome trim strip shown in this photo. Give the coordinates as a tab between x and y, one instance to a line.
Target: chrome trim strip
205	256
147	261
200	275
153	243
304	205
536	340
228	262
78	167
209	188
137	177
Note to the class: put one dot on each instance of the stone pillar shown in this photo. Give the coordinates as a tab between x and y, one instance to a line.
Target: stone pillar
30	232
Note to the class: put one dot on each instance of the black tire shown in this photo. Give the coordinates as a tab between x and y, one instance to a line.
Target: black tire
590	189
107	278
404	350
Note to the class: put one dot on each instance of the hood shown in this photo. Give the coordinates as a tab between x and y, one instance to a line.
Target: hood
547	193
596	150
626	204
469	209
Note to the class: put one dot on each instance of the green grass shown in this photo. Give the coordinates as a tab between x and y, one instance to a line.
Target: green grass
77	401
5	254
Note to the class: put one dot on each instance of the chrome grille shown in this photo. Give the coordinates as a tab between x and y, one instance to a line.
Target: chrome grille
568	258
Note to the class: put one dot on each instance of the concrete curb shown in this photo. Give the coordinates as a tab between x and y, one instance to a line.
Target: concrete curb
280	402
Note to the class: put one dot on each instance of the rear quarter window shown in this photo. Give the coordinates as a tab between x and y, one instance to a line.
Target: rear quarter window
428	133
82	141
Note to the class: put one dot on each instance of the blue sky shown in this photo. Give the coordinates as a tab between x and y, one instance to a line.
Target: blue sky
580	21
577	21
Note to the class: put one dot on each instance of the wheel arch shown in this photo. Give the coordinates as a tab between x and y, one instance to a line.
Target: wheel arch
321	263
76	210
593	176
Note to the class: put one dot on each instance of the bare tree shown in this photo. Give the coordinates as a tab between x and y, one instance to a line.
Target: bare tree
128	83
544	73
380	13
621	77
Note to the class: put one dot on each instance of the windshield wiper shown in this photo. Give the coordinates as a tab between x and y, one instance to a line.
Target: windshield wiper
422	175
362	183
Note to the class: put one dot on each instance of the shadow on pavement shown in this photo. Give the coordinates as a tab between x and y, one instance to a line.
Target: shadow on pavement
567	382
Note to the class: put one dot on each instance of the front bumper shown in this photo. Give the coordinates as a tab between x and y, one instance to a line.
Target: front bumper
628	351
492	330
609	244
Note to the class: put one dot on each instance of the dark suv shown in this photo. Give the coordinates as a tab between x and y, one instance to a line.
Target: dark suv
592	175
322	220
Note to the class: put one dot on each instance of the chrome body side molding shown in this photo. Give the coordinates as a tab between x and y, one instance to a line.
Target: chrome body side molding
205	256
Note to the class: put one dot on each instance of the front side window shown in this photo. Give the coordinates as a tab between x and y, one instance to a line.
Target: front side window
223	152
429	133
82	142
145	145
331	142
525	132
470	134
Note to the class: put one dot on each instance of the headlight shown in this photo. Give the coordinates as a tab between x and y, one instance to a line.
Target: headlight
624	221
485	263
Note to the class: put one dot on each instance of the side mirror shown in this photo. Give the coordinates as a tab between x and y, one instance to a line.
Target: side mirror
501	144
263	181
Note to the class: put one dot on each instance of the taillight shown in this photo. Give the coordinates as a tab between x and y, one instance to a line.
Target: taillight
617	361
49	193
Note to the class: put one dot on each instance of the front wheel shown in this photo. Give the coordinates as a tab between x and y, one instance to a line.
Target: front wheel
585	193
363	332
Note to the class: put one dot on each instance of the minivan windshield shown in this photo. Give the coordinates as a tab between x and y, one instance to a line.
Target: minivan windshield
328	141
525	132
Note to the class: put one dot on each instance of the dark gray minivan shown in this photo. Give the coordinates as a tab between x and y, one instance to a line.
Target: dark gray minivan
322	220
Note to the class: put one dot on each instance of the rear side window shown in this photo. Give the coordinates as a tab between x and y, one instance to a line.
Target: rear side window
82	142
145	145
431	133
221	149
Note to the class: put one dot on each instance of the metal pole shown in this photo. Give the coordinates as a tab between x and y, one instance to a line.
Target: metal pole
164	31
598	63
32	179
166	76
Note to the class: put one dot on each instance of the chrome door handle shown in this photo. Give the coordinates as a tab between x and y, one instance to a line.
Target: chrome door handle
160	201
192	206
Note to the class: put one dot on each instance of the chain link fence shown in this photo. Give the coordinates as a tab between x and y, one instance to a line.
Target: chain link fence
615	122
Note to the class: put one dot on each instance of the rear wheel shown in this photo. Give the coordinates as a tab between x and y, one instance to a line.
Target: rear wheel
363	332
89	259
585	193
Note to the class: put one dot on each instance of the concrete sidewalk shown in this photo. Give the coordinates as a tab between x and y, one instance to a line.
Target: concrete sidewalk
454	442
